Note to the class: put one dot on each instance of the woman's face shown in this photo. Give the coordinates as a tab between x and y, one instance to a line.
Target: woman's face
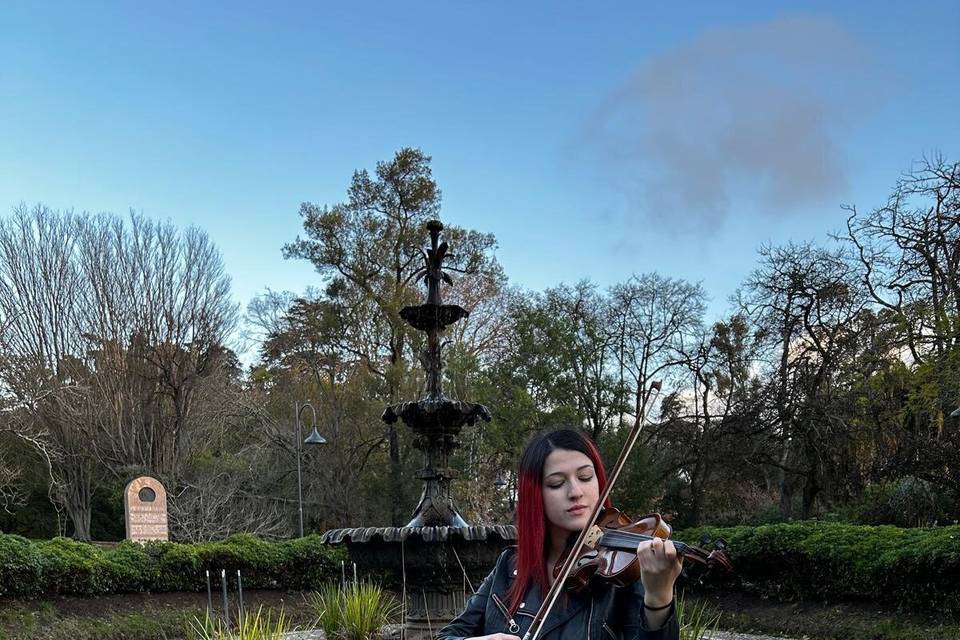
570	491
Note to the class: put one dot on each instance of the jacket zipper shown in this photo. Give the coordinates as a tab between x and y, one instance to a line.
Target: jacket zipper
590	618
514	627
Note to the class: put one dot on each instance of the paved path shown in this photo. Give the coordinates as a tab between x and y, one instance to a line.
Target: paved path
306	635
733	635
719	635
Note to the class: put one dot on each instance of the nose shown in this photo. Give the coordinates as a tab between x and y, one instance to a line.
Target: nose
576	491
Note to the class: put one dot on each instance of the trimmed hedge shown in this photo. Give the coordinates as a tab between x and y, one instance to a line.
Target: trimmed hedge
63	566
916	568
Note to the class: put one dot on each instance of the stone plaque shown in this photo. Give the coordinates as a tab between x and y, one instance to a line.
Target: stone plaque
145	509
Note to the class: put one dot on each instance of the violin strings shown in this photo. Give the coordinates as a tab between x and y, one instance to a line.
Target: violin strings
625	537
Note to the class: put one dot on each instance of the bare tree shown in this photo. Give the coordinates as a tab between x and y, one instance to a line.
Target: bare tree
11	494
808	307
909	257
39	287
653	318
109	330
158	314
710	423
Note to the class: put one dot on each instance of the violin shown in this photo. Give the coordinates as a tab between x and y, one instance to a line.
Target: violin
609	551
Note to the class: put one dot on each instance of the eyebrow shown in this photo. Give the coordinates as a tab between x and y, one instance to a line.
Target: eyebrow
560	473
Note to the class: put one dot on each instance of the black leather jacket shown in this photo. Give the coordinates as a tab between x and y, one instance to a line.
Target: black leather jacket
603	614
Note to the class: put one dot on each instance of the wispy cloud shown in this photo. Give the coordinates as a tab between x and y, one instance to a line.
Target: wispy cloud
753	114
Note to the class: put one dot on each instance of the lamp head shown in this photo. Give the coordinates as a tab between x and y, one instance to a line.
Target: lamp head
315	438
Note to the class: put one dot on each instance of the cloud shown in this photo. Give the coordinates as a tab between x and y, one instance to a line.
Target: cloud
751	115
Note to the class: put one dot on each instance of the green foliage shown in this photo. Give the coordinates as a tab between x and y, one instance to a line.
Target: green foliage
307	564
131	568
178	566
907	502
697	620
815	560
637	492
353	612
106	516
327	605
19	622
20	565
73	567
250	626
252	556
64	566
35	518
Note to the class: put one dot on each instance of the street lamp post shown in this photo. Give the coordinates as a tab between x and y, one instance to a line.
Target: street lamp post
313	438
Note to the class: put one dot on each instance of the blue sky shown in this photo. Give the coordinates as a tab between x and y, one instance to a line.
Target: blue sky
594	140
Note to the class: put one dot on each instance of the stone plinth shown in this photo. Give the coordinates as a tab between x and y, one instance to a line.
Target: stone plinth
145	510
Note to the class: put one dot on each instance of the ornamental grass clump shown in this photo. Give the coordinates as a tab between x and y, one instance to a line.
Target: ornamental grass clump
250	626
697	621
354	611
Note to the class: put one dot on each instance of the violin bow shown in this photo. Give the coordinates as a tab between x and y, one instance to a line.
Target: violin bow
554	592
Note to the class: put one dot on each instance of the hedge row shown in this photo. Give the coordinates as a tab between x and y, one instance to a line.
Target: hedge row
906	568
64	566
917	568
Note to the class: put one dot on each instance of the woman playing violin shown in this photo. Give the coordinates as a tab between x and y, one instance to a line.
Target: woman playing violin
561	478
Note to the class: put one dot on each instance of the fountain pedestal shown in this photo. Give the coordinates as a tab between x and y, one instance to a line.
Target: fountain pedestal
437	558
437	567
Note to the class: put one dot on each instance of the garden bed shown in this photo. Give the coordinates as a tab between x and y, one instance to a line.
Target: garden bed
163	617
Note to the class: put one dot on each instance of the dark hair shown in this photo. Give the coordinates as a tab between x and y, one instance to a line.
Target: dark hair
530	517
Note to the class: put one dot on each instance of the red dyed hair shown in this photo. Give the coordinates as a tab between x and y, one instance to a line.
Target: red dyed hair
531	521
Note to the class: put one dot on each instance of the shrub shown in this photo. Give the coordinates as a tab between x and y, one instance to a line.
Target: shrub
20	567
307	564
130	568
250	626
64	566
256	559
353	612
328	607
817	561
72	567
178	566
697	621
907	502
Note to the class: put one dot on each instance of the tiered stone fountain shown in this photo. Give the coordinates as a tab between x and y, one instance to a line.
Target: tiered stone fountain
437	549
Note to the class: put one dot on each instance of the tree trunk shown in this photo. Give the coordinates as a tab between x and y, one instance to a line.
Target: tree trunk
76	498
786	490
811	489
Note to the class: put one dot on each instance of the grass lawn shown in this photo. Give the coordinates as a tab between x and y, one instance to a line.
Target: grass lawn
130	617
820	621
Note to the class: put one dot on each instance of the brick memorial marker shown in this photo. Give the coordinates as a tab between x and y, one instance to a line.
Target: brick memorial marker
145	509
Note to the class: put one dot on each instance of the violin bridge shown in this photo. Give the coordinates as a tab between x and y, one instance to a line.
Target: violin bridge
593	537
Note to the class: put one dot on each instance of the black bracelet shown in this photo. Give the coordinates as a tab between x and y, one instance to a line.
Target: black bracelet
649	608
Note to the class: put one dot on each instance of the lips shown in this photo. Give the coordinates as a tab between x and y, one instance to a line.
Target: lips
577	510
